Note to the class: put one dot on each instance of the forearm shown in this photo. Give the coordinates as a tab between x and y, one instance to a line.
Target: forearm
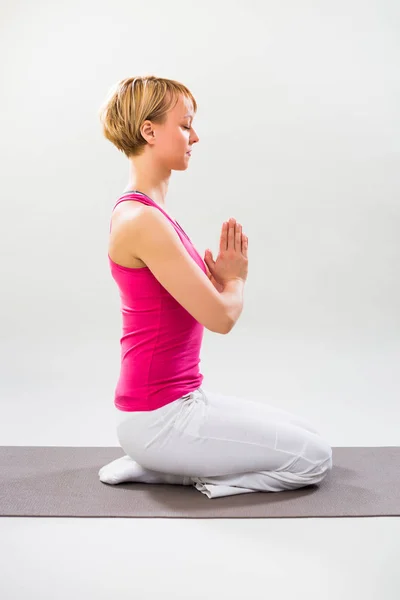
233	297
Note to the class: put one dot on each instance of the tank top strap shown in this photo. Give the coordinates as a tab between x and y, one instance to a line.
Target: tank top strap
134	195
144	199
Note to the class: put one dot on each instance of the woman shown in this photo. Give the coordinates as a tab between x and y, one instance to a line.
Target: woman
173	430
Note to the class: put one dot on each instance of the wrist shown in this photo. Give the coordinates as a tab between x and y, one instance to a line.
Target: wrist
233	284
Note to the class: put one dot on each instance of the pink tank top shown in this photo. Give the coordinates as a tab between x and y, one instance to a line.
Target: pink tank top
161	341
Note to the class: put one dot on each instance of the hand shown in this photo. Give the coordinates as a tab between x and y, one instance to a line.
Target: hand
232	258
217	285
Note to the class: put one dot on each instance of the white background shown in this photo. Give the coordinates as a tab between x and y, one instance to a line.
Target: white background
299	126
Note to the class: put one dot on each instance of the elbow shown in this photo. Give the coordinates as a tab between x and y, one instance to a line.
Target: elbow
227	327
223	327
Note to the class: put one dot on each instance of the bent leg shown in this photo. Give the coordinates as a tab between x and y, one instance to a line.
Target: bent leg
229	444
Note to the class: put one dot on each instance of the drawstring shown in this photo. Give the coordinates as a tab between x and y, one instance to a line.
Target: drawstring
191	395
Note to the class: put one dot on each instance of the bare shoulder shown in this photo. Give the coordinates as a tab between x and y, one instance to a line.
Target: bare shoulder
125	223
127	210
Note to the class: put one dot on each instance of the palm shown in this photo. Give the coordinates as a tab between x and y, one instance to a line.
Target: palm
217	285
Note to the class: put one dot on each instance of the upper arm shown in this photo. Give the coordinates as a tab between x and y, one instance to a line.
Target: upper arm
156	243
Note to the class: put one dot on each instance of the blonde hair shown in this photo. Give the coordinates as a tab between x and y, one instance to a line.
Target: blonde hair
134	100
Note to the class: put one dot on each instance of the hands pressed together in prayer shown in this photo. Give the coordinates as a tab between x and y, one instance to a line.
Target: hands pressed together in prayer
232	260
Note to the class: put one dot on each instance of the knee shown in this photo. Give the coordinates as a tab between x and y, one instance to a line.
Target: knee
321	455
325	465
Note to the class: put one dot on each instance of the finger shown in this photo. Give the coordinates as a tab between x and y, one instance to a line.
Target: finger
238	237
244	245
231	234
208	256
223	243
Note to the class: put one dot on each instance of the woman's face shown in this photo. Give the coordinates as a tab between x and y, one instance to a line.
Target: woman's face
176	137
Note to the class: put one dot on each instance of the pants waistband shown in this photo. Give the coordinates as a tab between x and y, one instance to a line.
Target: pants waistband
192	394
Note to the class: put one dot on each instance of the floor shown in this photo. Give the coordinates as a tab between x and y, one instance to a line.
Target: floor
347	390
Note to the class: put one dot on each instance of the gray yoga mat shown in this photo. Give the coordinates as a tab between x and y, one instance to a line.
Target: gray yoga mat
51	481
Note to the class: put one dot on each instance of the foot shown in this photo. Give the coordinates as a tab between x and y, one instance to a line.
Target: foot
125	469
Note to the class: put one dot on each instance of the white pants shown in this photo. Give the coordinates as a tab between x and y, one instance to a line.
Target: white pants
225	445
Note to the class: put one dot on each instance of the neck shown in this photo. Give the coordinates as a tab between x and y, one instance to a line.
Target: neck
150	178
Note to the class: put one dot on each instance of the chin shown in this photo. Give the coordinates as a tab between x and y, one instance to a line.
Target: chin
182	166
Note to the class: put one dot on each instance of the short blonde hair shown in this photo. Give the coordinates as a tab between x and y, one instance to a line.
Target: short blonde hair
134	100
